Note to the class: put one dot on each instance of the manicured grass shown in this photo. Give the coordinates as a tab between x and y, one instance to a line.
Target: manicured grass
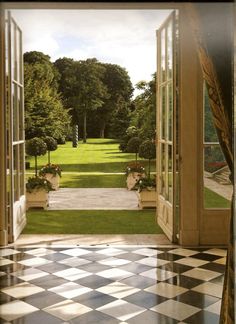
97	155
213	200
92	181
91	222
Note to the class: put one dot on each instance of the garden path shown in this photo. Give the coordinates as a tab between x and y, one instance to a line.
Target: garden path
93	199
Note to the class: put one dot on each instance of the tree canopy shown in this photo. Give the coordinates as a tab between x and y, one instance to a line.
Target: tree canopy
44	112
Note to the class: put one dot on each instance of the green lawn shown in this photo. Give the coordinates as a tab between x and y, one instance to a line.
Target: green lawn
91	222
97	155
92	181
213	200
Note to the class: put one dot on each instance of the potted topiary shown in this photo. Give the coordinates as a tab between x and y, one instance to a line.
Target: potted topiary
36	188
133	171
51	172
147	186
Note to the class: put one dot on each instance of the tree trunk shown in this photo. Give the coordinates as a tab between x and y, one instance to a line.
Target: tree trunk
102	129
85	128
36	166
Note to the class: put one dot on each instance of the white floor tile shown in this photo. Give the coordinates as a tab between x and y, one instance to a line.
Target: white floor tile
16	309
114	262
29	274
184	252
70	290
175	309
209	288
192	262
35	262
202	274
214	308
152	262
76	252
72	274
115	274
166	290
118	290
67	310
158	274
121	310
22	290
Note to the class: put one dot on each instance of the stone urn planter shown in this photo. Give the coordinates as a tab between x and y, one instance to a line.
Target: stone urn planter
37	198
37	190
147	198
53	179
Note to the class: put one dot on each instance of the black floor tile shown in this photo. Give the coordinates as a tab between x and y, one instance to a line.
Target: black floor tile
94	317
184	281
43	299
49	281
205	256
95	257
56	256
131	256
94	281
135	267
53	267
139	282
196	299
145	299
93	267
4	298
150	317
218	280
214	267
13	267
8	280
94	299
169	256
37	317
203	317
175	267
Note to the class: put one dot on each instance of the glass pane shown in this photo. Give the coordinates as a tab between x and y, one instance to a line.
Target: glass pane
210	134
15	113
170	112
162	186
163	112
22	182
169	51
15	173
20	111
17	55
217	187
170	174
163	55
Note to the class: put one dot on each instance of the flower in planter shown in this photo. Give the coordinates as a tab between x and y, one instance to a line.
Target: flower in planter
50	168
36	183
134	167
146	183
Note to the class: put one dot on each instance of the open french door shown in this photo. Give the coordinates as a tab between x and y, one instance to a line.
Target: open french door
15	142
167	136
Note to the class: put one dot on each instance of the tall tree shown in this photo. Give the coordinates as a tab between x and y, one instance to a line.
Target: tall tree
120	91
44	112
143	116
89	90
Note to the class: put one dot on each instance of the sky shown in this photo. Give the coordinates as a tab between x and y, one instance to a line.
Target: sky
123	37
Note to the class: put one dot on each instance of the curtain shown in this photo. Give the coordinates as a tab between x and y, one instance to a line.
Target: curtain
213	30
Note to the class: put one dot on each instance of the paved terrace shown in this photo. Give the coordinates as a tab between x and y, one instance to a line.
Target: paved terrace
92	199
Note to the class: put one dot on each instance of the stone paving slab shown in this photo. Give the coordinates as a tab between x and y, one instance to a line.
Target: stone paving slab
94	239
225	191
93	199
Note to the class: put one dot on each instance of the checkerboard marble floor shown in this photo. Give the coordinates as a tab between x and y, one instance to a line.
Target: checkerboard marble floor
108	285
